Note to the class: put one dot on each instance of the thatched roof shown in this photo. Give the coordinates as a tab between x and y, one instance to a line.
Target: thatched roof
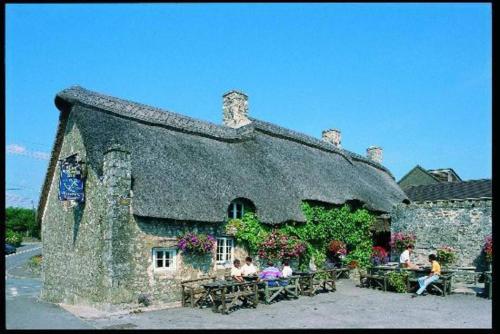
186	169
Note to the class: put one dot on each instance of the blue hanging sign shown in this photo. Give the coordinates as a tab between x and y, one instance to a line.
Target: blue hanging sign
71	180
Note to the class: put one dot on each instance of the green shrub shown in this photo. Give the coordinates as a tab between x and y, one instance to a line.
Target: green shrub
446	256
35	261
13	238
22	220
397	280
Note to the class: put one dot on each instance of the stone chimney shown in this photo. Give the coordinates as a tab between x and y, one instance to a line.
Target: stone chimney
374	153
235	109
332	136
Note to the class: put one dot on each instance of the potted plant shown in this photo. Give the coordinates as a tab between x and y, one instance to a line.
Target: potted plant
196	244
446	256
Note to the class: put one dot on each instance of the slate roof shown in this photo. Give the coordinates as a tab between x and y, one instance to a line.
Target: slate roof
413	172
187	169
451	190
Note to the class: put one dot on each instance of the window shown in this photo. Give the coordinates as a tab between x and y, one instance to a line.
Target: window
238	207
225	248
164	258
236	210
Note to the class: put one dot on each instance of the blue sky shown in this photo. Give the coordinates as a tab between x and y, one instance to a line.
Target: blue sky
414	79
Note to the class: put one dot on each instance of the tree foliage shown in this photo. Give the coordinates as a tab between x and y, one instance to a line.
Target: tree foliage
22	220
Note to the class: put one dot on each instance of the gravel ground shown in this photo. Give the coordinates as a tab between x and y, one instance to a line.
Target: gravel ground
348	307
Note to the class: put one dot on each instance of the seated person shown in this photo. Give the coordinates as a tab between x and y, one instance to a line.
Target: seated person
287	270
248	268
404	259
424	281
270	274
236	271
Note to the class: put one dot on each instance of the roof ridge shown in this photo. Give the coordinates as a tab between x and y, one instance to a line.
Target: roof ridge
154	115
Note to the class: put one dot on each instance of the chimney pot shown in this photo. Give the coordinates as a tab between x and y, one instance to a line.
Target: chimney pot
374	153
235	109
332	136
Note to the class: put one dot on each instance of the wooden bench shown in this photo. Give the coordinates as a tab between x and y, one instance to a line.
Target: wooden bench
192	291
441	286
342	272
373	280
225	297
269	293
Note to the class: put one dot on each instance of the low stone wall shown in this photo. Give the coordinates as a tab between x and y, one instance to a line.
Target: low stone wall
462	225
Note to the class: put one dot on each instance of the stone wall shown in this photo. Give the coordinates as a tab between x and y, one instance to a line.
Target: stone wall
164	286
462	225
72	235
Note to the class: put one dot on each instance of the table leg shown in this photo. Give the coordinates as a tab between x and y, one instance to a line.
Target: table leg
223	299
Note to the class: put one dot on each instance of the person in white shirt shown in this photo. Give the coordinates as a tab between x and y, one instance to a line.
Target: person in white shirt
248	268
404	259
236	271
287	270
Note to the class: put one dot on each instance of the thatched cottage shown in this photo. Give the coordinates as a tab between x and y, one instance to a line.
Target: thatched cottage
150	174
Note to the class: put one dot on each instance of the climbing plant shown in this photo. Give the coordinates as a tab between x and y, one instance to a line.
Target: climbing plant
323	225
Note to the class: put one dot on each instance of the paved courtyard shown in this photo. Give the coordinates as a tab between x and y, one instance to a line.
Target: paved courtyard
348	307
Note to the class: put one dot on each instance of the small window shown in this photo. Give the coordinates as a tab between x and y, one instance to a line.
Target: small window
239	207
225	247
164	258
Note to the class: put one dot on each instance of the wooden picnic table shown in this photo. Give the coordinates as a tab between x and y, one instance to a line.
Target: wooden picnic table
224	294
378	274
192	292
310	282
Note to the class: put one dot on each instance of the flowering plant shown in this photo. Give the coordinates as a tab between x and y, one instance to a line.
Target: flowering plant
400	241
196	243
446	255
337	247
234	226
379	255
278	245
488	248
353	264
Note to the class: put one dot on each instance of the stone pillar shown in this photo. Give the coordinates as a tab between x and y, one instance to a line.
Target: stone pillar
332	136
235	109
117	184
374	153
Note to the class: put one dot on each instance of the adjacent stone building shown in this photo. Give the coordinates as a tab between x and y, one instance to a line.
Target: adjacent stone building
445	211
151	175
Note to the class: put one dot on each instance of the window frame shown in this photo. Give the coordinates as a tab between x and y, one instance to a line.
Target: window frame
224	253
172	255
233	208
